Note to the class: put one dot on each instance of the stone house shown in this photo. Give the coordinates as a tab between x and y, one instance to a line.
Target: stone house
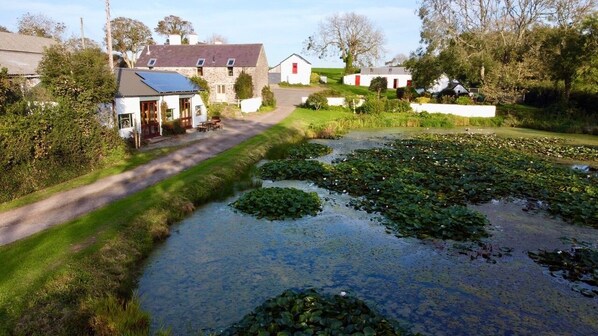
219	64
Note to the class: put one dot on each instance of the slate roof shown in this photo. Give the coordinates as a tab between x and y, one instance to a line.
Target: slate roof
215	55
385	71
306	61
148	83
21	54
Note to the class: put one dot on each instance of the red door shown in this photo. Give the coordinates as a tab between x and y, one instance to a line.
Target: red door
395	83
357	80
150	127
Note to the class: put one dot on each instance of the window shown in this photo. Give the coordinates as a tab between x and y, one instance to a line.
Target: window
230	71
230	62
151	62
200	62
221	89
169	114
294	68
200	71
125	120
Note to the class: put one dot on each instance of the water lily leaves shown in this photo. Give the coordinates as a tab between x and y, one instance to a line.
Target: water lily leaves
278	203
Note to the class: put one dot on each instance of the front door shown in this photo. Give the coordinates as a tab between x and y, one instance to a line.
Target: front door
395	83
150	126
357	80
185	108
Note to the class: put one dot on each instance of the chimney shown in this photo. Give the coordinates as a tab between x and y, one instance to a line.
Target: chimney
174	39
192	38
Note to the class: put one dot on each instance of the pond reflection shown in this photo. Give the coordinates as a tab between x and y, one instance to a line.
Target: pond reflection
219	265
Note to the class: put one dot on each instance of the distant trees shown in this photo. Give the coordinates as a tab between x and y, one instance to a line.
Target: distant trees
40	25
81	79
4	29
217	38
174	25
499	45
352	36
129	36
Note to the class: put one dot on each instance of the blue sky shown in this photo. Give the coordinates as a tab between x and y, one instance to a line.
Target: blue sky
281	26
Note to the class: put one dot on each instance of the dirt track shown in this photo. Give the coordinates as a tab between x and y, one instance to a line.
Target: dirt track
65	206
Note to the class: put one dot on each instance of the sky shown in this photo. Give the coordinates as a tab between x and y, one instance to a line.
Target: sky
282	26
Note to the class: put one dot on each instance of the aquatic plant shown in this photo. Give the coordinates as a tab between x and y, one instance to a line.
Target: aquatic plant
292	170
278	203
308	150
311	313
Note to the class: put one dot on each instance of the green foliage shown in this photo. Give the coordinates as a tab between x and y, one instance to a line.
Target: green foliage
557	118
48	146
464	100
244	86
314	78
278	203
9	92
373	105
406	93
292	170
129	36
317	101
202	83
423	100
379	85
308	150
114	316
268	98
310	313
174	25
81	78
173	127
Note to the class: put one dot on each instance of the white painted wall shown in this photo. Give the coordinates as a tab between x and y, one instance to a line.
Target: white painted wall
251	105
366	80
335	101
128	105
485	111
303	71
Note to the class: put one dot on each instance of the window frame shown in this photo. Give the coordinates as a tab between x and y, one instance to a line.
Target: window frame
230	62
152	62
122	117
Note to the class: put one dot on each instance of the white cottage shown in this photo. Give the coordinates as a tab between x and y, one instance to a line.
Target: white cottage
142	93
395	76
293	70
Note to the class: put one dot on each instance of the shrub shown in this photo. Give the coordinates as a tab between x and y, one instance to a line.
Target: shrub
331	93
403	106
464	100
373	105
423	100
244	86
173	127
314	78
278	203
379	85
317	101
407	93
268	97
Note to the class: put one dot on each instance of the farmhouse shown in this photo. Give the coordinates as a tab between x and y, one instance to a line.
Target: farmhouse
219	64
145	99
396	77
21	54
293	70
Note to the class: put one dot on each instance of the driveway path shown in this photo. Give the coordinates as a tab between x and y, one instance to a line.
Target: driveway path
68	205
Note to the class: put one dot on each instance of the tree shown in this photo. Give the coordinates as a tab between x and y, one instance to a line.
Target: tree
398	60
40	25
350	35
9	92
379	85
81	78
244	86
129	36
174	25
75	43
4	29
216	38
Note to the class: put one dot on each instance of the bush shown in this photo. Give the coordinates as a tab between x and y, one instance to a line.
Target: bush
464	100
268	97
314	78
403	106
373	105
379	85
317	101
407	93
423	100
173	127
244	86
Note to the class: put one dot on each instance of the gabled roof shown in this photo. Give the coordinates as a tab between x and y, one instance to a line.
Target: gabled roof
21	54
385	71
306	61
215	55
147	83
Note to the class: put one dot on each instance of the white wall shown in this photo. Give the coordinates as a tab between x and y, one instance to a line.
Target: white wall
128	105
365	80
486	111
251	105
303	71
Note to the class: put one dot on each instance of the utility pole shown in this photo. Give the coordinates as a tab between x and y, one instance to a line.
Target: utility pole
82	35
109	36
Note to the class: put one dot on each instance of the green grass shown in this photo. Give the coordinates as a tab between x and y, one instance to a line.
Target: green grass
335	75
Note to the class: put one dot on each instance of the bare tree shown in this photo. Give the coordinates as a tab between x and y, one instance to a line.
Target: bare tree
40	25
398	60
74	43
129	36
350	35
4	29
216	38
174	25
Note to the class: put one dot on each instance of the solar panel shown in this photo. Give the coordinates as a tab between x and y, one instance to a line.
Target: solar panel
165	82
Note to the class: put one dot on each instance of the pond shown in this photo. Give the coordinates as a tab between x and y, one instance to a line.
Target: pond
219	265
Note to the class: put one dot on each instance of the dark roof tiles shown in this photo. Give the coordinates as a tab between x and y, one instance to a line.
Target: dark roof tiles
215	55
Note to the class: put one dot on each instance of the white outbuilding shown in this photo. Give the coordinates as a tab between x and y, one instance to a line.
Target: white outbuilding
396	77
293	70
